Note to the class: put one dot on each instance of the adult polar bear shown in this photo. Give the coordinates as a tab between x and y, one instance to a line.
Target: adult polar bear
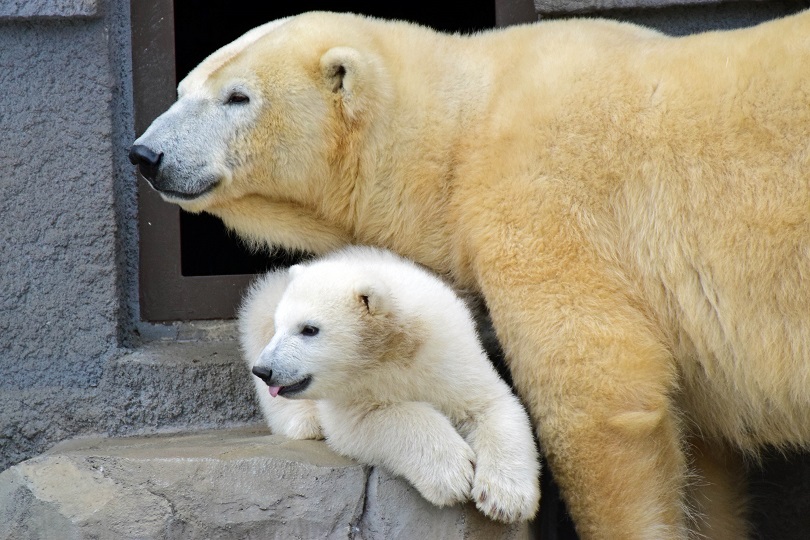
633	207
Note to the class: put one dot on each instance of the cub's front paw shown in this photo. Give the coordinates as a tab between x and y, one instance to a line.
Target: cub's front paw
447	476
301	427
504	495
296	419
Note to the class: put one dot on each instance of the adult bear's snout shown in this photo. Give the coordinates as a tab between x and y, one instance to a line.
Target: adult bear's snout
263	373
148	161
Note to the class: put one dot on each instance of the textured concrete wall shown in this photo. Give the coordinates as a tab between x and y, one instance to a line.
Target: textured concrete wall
47	9
58	295
68	247
591	6
674	17
58	235
679	20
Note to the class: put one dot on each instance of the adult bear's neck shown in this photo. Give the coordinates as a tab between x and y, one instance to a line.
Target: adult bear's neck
409	155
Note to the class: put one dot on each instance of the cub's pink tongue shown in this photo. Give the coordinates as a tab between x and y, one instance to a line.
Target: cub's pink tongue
274	390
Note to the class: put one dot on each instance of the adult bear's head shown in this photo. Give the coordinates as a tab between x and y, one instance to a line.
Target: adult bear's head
270	114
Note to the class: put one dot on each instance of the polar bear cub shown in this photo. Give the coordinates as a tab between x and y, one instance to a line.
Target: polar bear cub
382	358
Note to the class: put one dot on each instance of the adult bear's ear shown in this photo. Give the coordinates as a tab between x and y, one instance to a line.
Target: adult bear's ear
351	76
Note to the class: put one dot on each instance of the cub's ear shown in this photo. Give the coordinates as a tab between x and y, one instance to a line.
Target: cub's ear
352	77
374	300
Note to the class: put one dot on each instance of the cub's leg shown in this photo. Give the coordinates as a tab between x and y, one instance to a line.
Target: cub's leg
507	470
293	418
410	439
718	493
598	384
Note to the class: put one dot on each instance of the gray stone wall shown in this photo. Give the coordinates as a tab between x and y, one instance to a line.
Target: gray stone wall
56	201
48	9
59	304
674	17
555	7
71	362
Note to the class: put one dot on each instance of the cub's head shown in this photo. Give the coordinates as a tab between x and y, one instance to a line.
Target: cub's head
266	115
331	328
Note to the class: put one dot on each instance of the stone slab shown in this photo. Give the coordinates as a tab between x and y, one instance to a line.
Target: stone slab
160	387
545	7
240	483
47	9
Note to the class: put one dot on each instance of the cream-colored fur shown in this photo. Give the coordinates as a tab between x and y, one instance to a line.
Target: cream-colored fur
397	376
633	207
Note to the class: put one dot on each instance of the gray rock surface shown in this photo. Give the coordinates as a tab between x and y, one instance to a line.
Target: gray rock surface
48	9
67	222
220	484
581	6
166	386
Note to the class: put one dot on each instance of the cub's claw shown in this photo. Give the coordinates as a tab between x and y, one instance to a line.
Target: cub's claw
504	498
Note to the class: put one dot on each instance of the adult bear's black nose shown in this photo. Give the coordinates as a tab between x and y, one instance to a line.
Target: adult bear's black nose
263	373
147	161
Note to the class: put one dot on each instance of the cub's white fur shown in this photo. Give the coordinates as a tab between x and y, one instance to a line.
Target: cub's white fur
383	358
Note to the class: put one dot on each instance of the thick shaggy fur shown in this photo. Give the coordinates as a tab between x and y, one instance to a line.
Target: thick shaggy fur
399	377
633	207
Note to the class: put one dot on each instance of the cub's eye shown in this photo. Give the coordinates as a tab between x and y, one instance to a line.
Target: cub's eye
237	98
309	331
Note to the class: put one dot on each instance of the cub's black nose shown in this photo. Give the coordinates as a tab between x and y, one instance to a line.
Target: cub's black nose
147	161
263	373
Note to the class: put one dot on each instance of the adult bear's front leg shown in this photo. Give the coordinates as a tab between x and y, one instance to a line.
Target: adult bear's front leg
617	457
598	385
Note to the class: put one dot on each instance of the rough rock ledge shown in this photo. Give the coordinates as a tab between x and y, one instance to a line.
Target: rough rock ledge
241	484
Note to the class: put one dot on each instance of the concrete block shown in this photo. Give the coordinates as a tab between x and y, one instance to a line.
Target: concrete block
160	387
49	9
588	6
220	484
545	7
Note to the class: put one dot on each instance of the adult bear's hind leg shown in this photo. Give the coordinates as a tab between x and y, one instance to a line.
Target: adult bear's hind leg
718	493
